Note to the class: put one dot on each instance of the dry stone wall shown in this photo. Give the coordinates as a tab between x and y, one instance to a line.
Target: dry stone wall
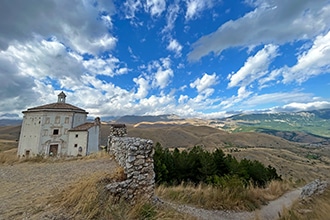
135	155
118	130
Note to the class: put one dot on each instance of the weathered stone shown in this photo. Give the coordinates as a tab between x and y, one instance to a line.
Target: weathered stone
135	155
314	188
130	158
138	162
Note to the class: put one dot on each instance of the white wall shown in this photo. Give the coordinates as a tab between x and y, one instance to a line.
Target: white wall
93	139
30	134
77	139
78	119
37	132
61	121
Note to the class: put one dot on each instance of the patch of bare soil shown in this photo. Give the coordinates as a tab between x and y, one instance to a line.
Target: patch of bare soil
26	187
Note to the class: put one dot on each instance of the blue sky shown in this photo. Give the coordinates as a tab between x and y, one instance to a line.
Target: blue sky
193	58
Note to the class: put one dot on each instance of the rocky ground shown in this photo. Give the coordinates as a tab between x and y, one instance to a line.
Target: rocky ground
25	187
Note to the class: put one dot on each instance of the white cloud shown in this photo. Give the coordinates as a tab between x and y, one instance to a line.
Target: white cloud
143	87
242	94
171	16
310	62
254	68
73	22
194	7
175	46
279	97
156	7
305	106
272	21
44	59
131	7
313	62
203	84
101	66
160	72
164	74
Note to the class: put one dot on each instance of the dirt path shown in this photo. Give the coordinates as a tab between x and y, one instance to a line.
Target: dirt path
25	187
268	212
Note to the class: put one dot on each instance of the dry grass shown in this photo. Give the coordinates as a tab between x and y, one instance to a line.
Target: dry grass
7	144
88	199
8	157
316	207
233	196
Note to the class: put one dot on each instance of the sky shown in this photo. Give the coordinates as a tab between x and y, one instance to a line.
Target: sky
192	58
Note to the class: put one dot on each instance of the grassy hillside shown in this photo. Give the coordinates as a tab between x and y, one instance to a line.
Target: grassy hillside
292	160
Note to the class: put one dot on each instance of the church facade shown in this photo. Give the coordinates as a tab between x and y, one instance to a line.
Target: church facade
58	129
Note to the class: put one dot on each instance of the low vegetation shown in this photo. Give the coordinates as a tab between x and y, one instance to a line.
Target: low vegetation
233	196
315	207
87	199
10	157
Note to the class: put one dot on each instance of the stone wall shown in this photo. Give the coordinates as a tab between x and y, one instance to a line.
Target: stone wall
118	130
135	155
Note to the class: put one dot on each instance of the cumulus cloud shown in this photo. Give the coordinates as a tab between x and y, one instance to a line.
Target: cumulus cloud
104	66
143	87
204	84
272	21
242	94
254	68
194	7
79	27
44	59
175	46
313	62
155	7
161	72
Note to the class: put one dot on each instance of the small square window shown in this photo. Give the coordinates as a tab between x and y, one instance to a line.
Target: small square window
55	132
76	135
75	145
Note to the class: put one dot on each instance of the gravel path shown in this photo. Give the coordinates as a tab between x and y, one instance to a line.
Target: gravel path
24	187
268	212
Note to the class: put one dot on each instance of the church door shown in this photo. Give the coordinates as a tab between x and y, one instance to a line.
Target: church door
53	149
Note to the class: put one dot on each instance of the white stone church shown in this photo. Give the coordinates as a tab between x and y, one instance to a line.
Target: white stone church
58	129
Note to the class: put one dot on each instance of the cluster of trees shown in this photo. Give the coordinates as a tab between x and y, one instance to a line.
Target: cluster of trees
200	166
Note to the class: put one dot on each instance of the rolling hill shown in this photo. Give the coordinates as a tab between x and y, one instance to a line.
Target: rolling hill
304	127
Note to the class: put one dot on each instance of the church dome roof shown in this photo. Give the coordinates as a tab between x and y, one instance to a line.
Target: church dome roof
59	106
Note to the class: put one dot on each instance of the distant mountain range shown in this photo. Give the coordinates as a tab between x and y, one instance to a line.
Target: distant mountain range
305	126
133	119
8	122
